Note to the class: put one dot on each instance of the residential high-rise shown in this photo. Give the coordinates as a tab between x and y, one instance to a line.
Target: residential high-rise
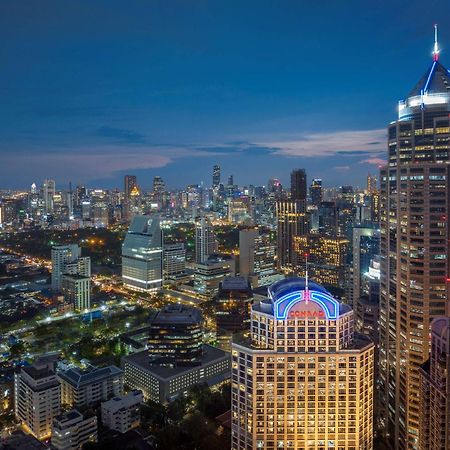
142	255
302	379
77	290
298	185
315	191
205	240
67	259
257	257
216	176
37	396
434	430
71	430
415	240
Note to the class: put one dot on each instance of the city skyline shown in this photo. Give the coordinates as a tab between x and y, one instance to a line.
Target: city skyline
162	90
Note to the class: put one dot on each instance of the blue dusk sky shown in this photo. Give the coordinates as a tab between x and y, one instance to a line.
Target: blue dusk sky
91	90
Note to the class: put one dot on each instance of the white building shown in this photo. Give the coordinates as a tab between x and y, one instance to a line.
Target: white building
122	413
77	290
174	260
71	430
66	259
205	240
37	398
142	255
302	379
91	386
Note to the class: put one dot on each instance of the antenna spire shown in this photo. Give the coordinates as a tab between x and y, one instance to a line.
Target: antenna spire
306	279
436	46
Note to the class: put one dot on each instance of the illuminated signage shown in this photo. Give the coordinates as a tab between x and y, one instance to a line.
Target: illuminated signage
329	307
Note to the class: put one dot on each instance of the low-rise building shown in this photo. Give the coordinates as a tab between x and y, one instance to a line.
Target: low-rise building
163	383
71	430
90	386
122	413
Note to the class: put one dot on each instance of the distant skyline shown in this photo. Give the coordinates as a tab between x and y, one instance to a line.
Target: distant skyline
93	90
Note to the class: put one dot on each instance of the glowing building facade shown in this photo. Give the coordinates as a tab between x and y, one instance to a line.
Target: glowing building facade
302	379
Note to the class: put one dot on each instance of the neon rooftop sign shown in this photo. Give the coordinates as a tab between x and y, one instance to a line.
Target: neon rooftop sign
284	304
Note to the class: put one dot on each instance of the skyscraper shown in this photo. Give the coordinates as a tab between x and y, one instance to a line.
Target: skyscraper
142	255
302	379
415	242
205	240
298	185
48	192
130	185
435	390
216	176
315	191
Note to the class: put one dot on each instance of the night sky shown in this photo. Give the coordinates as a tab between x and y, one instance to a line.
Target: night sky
92	90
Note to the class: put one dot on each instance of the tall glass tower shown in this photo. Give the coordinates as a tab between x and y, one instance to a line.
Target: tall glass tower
415	281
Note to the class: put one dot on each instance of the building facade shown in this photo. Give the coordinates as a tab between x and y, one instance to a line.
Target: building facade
77	291
415	286
71	430
205	240
302	379
142	255
122	413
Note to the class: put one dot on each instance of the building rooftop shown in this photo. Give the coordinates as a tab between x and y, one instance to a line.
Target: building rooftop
78	377
436	80
142	360
176	313
235	284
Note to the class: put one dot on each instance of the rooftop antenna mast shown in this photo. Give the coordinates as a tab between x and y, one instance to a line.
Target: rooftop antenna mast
436	45
306	279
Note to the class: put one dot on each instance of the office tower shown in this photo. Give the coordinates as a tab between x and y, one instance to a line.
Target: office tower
130	186
71	430
230	180
142	255
257	257
174	260
66	259
372	184
326	258
37	398
82	388
302	379
77	291
48	192
158	185
239	210
365	245
434	429
232	306
298	185
205	240
175	335
99	208
216	176
291	222
414	248
210	273
315	191
123	413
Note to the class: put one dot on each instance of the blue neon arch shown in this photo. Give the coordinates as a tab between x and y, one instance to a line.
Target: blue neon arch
283	305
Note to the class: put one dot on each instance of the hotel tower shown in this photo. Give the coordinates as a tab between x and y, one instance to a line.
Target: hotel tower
415	278
302	379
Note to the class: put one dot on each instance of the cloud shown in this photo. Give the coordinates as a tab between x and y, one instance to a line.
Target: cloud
121	135
353	142
375	161
341	168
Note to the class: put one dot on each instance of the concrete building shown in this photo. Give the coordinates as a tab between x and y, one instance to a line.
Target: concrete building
174	260
415	239
66	259
123	413
205	240
48	193
71	430
434	429
77	291
37	398
80	388
175	335
142	255
302	379
257	257
315	191
210	273
164	383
